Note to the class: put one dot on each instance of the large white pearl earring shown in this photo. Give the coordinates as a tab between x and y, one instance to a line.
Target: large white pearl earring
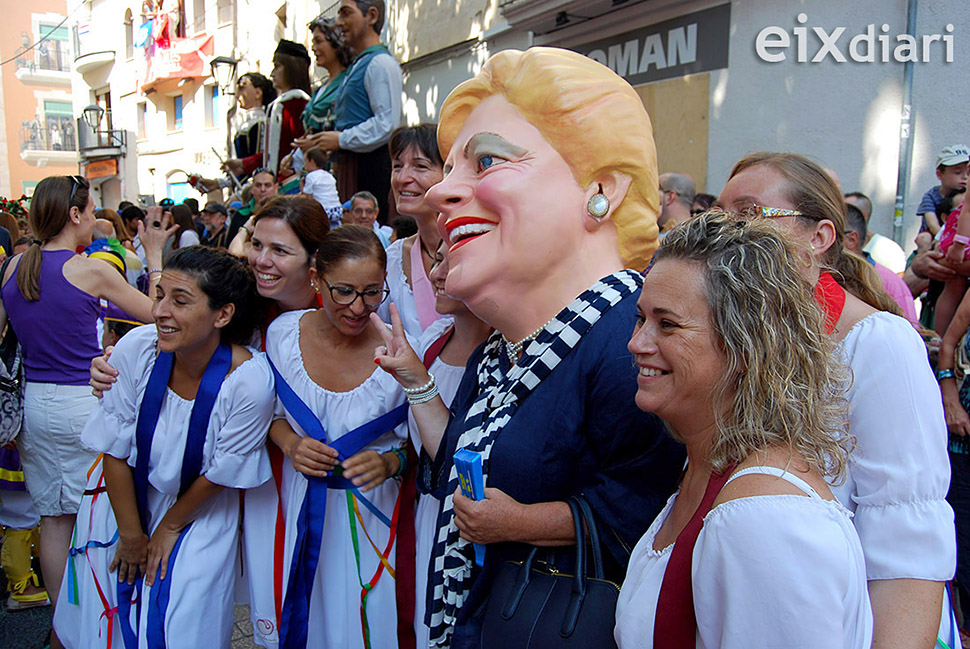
598	206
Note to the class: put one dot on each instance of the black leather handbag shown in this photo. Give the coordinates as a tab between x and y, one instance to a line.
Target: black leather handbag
532	605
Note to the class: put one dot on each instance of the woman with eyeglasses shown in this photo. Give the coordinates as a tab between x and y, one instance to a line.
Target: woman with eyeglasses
898	474
51	296
341	427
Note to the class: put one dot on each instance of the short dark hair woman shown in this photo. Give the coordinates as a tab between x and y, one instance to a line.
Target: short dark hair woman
182	432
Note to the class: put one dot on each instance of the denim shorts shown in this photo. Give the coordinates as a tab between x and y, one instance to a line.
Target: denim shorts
55	463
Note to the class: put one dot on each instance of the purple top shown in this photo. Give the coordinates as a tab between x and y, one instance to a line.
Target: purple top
58	332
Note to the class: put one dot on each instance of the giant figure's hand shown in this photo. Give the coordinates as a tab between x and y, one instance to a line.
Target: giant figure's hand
490	520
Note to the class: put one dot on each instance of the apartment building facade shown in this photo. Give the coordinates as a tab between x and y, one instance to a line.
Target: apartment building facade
38	138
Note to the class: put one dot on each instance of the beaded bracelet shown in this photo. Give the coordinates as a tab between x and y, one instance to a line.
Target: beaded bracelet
418	399
154	270
945	374
402	457
424	388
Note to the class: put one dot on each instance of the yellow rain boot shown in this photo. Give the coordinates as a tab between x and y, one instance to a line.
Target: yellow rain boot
22	583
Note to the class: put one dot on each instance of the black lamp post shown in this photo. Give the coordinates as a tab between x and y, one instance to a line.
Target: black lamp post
92	116
224	72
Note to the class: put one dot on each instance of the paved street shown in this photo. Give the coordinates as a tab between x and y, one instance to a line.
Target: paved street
28	629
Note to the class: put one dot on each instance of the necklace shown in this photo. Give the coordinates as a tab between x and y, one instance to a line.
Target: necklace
425	250
514	350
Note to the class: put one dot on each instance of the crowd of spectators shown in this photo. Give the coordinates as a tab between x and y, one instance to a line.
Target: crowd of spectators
782	356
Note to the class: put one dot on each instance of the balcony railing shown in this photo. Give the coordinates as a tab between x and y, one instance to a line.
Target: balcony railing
51	55
111	139
47	135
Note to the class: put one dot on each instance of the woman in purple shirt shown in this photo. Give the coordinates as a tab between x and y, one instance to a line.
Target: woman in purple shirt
52	298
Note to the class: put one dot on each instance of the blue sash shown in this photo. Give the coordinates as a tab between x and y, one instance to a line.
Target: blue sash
151	406
309	526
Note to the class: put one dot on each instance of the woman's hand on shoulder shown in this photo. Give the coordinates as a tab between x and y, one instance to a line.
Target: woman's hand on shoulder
103	376
490	520
395	356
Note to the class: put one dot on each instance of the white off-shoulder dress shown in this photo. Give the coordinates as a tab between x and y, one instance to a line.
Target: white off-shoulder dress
200	607
899	471
334	615
768	571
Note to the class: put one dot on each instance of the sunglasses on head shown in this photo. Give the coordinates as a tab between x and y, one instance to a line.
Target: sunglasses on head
76	181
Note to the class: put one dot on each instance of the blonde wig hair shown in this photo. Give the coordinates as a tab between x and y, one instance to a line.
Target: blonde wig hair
783	384
815	194
592	117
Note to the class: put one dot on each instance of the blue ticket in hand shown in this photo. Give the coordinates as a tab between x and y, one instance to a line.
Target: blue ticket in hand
468	464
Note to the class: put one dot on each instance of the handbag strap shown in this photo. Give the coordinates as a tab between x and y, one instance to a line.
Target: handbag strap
571	617
10	354
3	272
595	549
676	622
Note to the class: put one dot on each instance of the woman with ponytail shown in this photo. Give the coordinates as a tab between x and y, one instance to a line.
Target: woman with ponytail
898	474
51	296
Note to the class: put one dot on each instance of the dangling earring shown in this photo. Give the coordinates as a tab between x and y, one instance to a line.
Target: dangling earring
598	205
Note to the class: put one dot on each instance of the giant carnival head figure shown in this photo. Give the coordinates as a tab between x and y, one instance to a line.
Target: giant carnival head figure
550	181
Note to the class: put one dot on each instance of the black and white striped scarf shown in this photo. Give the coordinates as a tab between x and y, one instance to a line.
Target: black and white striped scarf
498	398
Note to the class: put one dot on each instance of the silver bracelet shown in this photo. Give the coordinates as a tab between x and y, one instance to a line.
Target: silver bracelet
427	386
423	398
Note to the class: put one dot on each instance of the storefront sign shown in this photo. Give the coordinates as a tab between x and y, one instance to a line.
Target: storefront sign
101	168
697	42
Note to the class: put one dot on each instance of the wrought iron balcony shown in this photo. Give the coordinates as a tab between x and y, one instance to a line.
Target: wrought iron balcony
47	135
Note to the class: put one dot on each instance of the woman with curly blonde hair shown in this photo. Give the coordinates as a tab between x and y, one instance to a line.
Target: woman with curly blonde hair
732	354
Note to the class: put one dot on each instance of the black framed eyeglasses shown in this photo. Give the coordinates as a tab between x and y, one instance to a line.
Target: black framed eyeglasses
345	295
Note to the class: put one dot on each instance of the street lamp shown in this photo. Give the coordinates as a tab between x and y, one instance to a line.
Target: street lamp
92	116
224	72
